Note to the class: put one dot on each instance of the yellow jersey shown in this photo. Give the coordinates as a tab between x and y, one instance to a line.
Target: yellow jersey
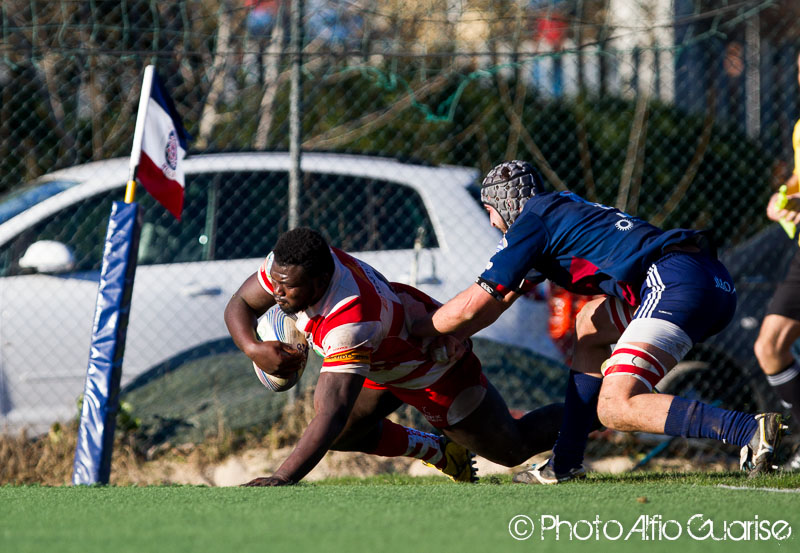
796	148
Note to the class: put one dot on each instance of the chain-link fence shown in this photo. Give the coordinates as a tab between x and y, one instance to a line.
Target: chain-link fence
679	111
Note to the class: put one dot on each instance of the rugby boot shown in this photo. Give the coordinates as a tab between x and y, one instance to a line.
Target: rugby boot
757	457
543	473
460	465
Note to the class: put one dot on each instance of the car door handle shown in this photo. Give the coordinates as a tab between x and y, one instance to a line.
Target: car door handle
197	290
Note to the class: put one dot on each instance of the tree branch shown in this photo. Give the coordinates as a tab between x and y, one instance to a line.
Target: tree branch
527	139
272	79
635	152
583	150
209	117
342	134
688	176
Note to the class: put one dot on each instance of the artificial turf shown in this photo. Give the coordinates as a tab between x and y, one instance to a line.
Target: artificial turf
398	513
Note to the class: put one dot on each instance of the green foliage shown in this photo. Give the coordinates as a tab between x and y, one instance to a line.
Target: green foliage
465	119
727	191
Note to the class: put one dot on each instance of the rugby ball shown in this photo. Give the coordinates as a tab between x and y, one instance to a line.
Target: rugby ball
277	325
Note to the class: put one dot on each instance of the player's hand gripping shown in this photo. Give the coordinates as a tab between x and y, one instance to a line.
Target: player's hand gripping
276	358
447	348
268	481
789	213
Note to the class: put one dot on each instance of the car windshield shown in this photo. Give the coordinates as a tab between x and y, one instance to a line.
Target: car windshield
17	201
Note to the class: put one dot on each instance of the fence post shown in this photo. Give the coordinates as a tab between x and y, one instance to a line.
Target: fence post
295	112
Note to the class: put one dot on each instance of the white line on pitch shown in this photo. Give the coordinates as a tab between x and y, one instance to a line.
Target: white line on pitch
777	490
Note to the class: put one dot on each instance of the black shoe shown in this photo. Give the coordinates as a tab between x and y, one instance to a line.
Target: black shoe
544	474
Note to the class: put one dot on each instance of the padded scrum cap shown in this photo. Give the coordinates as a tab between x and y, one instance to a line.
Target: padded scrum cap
509	186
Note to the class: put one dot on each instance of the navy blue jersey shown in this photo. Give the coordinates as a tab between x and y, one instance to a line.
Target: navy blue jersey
585	247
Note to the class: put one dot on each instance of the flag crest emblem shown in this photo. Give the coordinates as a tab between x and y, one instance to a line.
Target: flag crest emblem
171	151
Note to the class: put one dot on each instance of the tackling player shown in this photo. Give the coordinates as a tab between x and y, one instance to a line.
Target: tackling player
359	322
664	291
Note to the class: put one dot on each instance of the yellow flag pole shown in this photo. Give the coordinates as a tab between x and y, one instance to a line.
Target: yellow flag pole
130	191
138	133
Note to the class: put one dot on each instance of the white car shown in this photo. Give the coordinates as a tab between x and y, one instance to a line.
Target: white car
416	224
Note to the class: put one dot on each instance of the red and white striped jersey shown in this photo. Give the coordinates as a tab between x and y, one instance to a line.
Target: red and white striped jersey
361	325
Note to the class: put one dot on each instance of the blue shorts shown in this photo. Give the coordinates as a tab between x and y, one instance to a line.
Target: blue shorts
691	290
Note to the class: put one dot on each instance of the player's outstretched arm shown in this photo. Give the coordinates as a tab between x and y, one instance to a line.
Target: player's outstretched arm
464	315
334	398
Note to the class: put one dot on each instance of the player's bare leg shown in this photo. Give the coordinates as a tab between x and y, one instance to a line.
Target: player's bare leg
595	332
627	404
369	431
364	426
491	432
624	402
774	354
773	345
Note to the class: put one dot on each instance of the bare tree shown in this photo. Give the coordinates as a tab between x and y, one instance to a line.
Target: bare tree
272	79
218	69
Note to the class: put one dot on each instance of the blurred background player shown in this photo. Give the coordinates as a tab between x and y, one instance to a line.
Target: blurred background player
663	292
781	326
371	366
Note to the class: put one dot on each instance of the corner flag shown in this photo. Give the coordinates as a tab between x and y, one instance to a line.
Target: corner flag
159	145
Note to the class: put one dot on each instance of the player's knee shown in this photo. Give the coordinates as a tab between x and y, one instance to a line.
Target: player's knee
617	412
765	349
610	411
641	371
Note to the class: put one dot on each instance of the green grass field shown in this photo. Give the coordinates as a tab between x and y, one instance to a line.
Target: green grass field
398	513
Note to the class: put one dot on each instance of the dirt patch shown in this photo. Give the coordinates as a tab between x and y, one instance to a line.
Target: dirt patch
48	460
230	458
246	465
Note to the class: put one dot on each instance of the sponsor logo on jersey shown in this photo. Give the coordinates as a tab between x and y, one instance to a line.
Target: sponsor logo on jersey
349	357
723	285
431	416
624	224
